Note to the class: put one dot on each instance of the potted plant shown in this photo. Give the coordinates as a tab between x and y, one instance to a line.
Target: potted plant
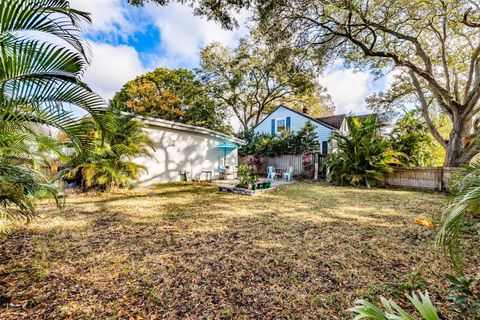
247	179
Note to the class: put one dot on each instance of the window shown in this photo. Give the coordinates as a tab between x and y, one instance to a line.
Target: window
325	147
281	125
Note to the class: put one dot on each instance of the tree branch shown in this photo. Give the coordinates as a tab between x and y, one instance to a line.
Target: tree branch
425	112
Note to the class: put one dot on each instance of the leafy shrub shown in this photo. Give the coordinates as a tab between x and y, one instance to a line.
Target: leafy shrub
246	176
362	157
289	142
411	137
465	296
465	202
108	164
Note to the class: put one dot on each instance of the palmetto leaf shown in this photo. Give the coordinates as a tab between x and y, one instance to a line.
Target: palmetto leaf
54	17
465	200
38	80
422	303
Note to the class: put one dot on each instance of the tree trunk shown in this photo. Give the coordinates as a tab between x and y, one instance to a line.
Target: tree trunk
457	152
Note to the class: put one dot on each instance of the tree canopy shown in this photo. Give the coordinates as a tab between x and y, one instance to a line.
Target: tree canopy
253	78
432	44
434	52
172	94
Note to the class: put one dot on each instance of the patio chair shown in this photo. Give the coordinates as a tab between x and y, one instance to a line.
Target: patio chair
271	173
221	170
287	175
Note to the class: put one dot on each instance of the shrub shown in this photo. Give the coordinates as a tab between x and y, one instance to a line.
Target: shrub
289	142
108	164
246	176
411	137
362	157
465	202
465	296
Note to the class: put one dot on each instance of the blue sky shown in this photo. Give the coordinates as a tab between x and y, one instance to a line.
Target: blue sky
127	41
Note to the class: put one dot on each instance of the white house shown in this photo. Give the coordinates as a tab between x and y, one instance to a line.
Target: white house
283	118
183	148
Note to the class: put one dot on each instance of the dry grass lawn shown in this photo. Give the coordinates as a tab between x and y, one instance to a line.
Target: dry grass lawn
186	251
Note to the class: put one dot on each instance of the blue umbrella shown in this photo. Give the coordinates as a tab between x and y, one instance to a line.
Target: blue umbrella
227	146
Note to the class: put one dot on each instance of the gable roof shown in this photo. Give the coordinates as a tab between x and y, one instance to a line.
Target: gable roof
336	121
300	113
161	123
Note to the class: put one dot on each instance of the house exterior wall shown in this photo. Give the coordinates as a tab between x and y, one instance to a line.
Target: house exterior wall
179	150
297	121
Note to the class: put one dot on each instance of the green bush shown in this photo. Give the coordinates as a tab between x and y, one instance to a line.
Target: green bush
246	176
362	157
108	163
289	142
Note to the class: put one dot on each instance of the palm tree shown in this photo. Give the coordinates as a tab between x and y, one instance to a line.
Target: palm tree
38	79
465	201
362	157
110	163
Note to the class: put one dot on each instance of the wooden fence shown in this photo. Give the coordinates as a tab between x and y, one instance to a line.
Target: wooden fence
284	162
431	178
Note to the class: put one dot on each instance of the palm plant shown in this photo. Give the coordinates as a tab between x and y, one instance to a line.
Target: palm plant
362	157
465	201
37	80
109	163
422	303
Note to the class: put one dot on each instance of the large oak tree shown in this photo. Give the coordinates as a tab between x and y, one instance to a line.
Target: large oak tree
434	44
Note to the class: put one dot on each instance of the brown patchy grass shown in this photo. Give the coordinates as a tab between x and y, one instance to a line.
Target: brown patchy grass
187	251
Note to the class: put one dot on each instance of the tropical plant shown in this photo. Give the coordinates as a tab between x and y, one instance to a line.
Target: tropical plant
38	78
465	201
411	137
465	296
362	157
109	164
422	303
246	176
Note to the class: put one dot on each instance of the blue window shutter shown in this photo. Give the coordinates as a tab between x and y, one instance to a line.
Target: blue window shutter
273	126
324	147
288	122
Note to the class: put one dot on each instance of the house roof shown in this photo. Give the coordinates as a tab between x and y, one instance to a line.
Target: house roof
300	113
336	121
161	123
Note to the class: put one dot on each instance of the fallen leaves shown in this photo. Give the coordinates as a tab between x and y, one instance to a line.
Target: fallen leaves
185	251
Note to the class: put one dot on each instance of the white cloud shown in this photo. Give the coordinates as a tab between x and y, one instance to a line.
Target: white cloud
348	89
183	34
112	67
108	16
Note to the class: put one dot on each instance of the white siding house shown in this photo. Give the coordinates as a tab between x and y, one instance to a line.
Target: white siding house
180	147
285	118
